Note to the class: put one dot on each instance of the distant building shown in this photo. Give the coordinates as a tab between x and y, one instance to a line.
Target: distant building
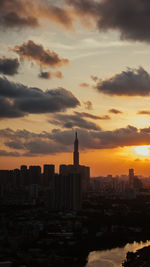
23	168
25	179
131	177
134	181
67	194
35	174
48	173
34	191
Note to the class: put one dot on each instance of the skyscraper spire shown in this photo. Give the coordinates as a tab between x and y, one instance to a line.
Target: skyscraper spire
76	152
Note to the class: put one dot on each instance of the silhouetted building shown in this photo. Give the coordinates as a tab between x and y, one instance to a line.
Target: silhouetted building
23	168
17	177
131	177
66	193
25	179
35	174
48	173
34	192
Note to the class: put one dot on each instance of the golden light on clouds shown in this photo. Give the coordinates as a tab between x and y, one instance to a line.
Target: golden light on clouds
107	103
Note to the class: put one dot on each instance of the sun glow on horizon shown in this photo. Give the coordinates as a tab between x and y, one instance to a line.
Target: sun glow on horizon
142	150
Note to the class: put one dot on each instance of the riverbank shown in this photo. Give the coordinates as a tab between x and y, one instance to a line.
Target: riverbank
81	251
140	258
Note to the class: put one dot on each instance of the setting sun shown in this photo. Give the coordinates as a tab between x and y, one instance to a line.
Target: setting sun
142	150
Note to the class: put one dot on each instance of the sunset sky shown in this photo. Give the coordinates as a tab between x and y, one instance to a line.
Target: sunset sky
75	65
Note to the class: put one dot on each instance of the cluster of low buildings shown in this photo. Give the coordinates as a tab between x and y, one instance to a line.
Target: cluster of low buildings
125	187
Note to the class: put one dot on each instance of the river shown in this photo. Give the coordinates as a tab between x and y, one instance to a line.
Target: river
113	257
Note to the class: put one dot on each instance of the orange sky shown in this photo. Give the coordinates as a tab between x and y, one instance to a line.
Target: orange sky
92	75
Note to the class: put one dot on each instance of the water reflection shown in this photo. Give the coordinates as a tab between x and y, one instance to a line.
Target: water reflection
113	257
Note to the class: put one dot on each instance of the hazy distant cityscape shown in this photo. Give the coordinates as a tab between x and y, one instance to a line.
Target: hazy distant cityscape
47	218
67	190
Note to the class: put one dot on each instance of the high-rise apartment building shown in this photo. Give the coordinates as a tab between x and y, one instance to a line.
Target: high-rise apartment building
48	173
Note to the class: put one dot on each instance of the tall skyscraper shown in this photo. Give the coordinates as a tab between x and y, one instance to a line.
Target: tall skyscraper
76	152
76	168
131	177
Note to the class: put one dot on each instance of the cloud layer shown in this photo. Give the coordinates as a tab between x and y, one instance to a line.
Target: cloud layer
91	116
59	141
132	82
18	100
73	121
130	18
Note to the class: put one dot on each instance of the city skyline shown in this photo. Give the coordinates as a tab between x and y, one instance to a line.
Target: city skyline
66	68
72	167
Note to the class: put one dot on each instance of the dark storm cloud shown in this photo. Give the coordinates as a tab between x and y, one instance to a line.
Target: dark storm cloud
73	121
91	116
130	18
18	100
58	141
115	111
9	66
36	52
144	112
50	75
132	82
